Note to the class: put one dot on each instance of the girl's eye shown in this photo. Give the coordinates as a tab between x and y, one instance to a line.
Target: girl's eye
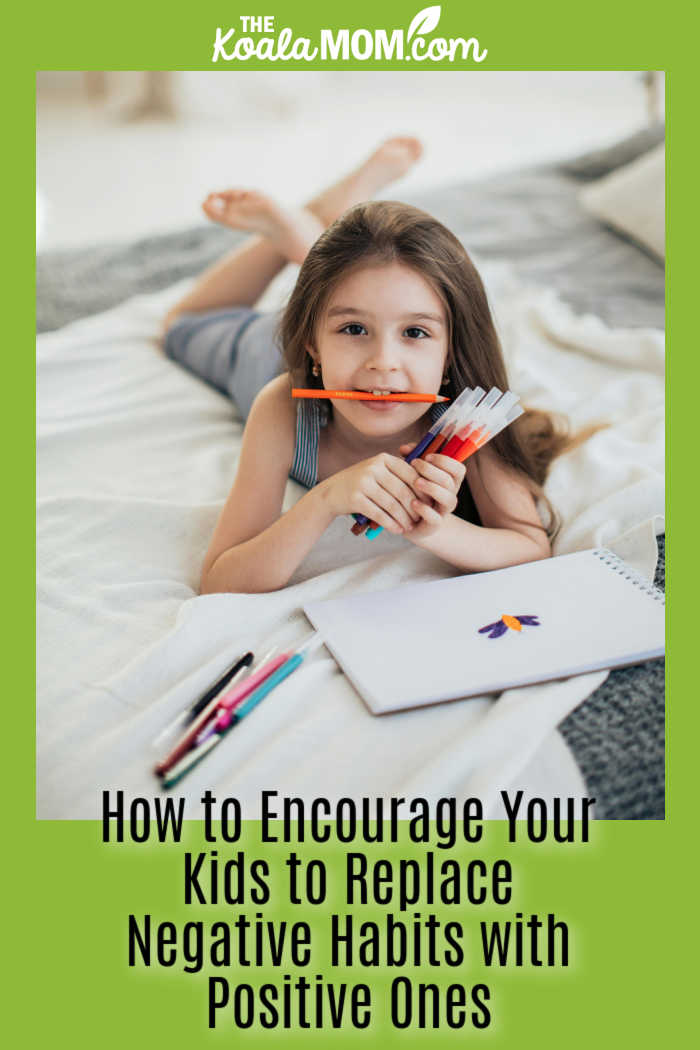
417	333
354	329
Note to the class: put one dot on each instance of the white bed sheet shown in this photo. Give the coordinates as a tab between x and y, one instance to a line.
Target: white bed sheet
135	458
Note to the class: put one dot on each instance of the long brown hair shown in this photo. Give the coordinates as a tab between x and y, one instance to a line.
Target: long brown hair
383	232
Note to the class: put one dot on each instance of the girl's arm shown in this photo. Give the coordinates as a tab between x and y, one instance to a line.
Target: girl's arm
511	531
254	549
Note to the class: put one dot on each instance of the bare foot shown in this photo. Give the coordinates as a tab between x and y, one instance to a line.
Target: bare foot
291	232
389	162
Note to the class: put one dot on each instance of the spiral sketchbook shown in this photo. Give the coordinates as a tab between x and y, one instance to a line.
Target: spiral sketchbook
428	642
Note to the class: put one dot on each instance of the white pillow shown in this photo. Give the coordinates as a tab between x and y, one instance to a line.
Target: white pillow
632	200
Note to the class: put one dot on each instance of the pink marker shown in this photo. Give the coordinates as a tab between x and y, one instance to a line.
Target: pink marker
231	701
228	701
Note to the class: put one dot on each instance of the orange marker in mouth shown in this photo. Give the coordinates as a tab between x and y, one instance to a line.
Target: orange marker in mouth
366	395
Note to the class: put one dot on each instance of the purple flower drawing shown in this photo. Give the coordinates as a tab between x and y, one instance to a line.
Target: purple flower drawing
514	623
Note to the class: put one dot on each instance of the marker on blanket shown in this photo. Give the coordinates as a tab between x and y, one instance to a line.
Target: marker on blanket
227	719
187	741
192	757
230	719
233	698
191	712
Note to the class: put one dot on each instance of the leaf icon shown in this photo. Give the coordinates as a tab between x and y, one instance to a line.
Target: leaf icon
425	21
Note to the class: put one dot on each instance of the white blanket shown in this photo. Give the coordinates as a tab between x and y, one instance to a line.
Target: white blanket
135	458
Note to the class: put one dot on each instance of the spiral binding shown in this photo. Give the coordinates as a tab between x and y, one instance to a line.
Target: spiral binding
635	578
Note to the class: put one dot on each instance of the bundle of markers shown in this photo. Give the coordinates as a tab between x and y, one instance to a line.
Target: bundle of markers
469	423
211	716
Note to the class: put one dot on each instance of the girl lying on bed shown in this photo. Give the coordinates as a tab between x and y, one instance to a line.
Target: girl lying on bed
387	299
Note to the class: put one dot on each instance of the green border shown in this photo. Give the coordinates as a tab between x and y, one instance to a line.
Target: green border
625	895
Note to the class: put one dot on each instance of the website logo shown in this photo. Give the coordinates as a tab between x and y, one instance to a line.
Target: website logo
258	38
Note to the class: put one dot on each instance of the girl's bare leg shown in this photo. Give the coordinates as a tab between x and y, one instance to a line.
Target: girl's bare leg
282	235
239	278
387	164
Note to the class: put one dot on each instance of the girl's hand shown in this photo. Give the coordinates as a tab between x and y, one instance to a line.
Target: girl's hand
439	480
380	488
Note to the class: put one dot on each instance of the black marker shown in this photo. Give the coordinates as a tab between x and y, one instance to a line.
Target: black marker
199	705
190	713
